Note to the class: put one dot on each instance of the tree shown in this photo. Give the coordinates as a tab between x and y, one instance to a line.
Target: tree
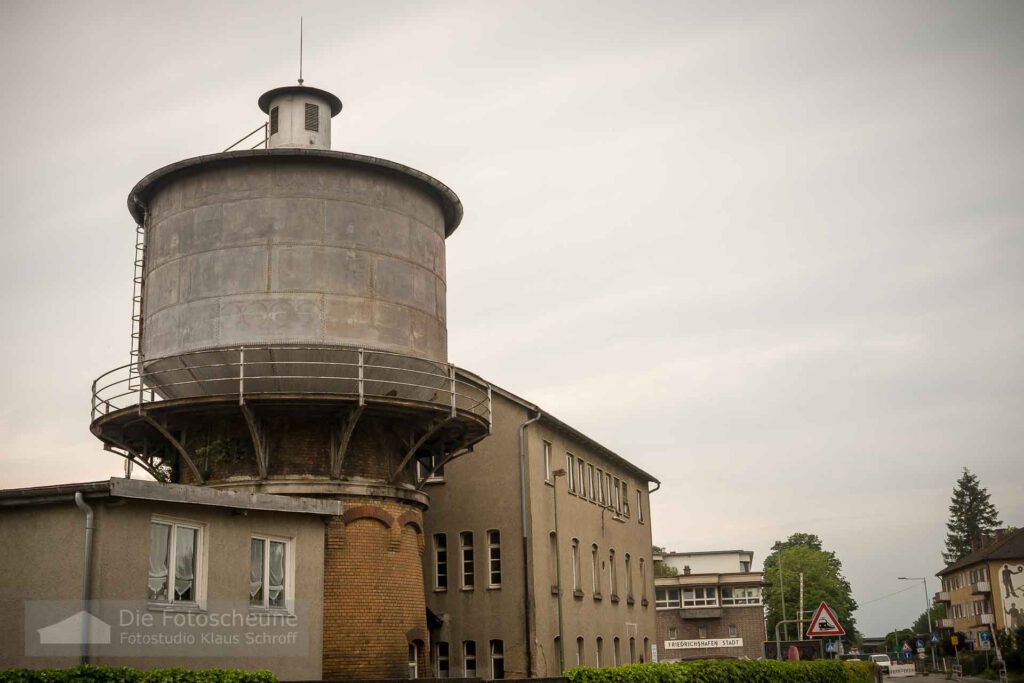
660	568
938	611
971	516
823	582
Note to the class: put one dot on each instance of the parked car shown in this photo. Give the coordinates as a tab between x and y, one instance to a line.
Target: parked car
883	662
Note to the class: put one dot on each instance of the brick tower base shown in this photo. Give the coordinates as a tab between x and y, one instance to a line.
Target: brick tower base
374	608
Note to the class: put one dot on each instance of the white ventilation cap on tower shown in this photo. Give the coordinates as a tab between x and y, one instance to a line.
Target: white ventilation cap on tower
299	116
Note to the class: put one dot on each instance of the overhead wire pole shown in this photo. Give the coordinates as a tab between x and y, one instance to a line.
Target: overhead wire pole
927	611
782	590
300	50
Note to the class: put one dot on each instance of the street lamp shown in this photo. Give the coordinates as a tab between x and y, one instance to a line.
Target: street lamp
927	611
558	571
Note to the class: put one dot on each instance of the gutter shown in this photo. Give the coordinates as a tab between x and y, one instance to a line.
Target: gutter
525	541
90	525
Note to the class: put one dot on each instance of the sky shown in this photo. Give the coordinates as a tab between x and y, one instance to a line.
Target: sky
769	252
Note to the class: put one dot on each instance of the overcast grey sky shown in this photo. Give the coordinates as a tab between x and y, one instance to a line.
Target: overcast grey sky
770	252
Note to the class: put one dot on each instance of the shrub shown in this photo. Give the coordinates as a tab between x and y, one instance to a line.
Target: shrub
113	674
729	671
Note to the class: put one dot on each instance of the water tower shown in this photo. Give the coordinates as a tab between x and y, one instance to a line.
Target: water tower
289	337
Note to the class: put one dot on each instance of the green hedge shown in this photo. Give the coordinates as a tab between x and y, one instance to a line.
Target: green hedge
114	674
730	671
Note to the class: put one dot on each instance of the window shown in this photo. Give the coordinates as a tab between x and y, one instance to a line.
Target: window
700	596
497	659
742	595
570	472
581	469
598	652
466	539
608	488
702	632
615	651
576	565
494	558
639	506
173	562
594	569
643	579
591	493
312	117
268	560
440	562
556	661
647	648
553	555
441	669
600	486
618	495
632	650
629	578
414	659
732	631
547	461
666	598
469	658
273	120
614	575
744	566
673	633
430	467
625	499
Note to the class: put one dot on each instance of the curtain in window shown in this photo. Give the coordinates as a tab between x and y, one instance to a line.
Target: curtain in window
185	564
275	589
256	572
159	548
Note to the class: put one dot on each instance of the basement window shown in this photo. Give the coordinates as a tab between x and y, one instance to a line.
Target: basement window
312	117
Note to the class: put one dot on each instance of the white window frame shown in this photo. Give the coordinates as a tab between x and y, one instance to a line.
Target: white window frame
467	671
599	645
200	562
576	580
643	579
581	466
422	471
625	498
609	498
591	493
668	602
595	567
708	596
437	563
600	486
440	672
613	575
749	595
493	558
465	562
570	472
495	656
289	572
629	577
618	494
639	506
547	462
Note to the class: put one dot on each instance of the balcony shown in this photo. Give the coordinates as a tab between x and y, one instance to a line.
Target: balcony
981	587
985	620
946	623
942	596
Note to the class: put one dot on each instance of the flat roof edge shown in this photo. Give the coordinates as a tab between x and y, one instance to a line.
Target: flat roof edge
198	495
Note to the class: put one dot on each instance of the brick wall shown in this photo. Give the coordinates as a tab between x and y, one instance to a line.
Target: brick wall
373	591
749	623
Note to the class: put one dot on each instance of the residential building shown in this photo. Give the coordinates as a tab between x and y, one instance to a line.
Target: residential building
712	607
984	591
169	555
499	565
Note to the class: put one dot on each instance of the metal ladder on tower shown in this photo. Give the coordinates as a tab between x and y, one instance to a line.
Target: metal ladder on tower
135	367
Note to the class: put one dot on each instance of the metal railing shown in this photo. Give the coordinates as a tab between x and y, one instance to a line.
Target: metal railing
356	374
264	141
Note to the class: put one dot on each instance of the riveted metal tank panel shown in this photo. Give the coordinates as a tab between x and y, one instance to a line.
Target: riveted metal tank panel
261	249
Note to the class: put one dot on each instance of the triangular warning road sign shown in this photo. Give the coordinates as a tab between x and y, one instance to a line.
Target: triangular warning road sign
824	623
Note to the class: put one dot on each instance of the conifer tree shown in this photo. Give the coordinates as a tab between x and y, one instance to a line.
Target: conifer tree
971	516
